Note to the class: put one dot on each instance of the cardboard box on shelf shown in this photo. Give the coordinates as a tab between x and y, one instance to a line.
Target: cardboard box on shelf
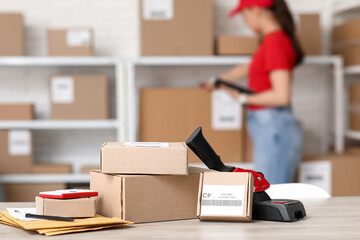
88	169
236	45
26	192
354	119
51	168
350	53
347	33
171	115
70	42
310	34
225	196
176	28
336	174
79	97
147	198
16	154
144	158
73	208
12	34
16	111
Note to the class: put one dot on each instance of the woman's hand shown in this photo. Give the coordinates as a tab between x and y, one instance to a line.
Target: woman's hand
207	85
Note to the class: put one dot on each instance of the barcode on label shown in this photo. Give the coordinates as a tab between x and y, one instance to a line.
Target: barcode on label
227	119
158	14
225	203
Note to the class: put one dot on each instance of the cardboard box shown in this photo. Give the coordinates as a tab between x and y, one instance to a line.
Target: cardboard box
310	34
26	192
88	169
147	198
51	168
79	97
354	119
70	42
346	33
73	208
236	45
176	28
144	158
16	111
225	196
171	115
12	34
16	151
354	105
350	53
336	174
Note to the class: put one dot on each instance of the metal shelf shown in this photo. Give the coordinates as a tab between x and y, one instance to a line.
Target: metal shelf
57	61
353	70
353	134
59	124
346	7
44	178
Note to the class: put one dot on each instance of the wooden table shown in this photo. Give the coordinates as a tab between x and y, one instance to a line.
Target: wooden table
334	218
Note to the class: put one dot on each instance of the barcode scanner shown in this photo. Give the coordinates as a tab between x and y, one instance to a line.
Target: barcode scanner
264	208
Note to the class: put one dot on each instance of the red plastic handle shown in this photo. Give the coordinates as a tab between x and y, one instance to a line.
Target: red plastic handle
260	182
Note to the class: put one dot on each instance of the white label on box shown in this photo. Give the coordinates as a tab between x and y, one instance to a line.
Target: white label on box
317	173
62	90
78	38
158	9
222	200
146	144
226	112
19	142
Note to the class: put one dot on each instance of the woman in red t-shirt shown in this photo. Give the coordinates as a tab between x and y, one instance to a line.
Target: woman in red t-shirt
276	135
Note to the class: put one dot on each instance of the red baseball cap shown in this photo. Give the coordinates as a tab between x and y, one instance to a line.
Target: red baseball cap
251	3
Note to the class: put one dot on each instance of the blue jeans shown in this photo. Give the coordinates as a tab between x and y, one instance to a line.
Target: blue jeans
277	143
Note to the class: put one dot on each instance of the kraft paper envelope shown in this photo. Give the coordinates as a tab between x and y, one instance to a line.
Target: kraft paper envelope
73	230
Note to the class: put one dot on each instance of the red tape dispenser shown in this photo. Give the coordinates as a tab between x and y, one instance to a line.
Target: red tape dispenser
264	208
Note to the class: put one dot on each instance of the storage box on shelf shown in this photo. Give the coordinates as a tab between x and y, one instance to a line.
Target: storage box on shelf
236	45
16	111
310	32
12	34
25	192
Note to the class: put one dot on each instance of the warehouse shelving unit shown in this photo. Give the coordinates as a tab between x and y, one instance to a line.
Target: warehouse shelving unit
343	9
336	62
117	124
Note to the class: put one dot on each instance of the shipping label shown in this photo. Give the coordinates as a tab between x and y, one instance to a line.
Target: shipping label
62	89
158	9
19	142
78	38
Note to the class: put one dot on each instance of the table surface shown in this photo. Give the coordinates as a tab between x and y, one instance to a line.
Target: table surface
334	218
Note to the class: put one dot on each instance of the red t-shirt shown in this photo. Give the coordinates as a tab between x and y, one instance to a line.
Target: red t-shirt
276	52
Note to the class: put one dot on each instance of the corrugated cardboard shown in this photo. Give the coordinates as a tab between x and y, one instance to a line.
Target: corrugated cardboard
16	111
337	174
51	168
350	53
12	34
236	45
14	162
88	169
173	114
224	200
59	45
189	32
25	192
310	34
354	119
346	33
147	198
90	98
117	158
73	208
354	105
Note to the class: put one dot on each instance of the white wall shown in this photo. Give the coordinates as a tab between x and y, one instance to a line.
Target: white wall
116	34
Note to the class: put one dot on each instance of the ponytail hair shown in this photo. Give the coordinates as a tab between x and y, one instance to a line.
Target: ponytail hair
283	15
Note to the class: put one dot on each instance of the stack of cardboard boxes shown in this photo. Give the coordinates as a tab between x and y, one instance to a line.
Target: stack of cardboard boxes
148	182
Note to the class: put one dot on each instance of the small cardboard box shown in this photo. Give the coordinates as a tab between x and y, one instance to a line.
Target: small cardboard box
79	97
147	198
336	174
12	34
51	168
310	34
70	42
16	151
172	114
144	158
225	196
16	111
236	45
73	208
350	53
346	33
88	169
176	28
26	192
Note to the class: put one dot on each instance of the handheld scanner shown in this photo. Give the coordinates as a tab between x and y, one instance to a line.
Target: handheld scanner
198	144
240	89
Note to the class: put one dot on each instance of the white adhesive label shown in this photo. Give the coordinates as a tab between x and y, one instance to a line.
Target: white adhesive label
19	213
317	173
19	142
222	200
226	112
146	144
158	9
78	38
62	90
